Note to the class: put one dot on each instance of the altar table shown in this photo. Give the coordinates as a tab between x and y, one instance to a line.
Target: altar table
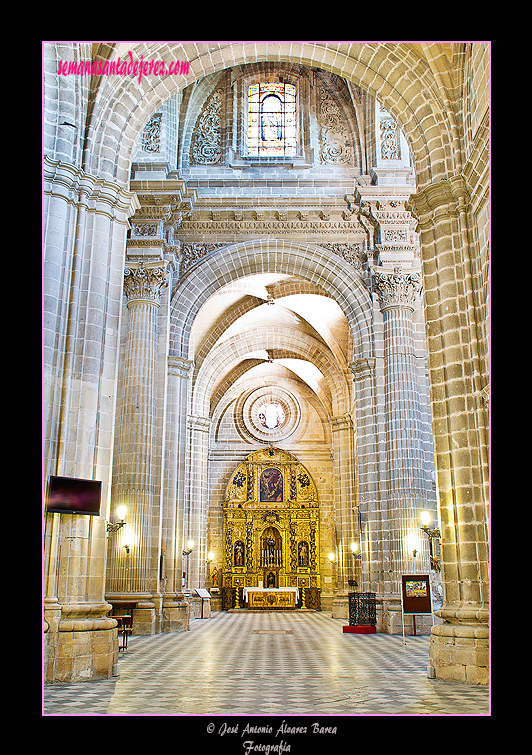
271	597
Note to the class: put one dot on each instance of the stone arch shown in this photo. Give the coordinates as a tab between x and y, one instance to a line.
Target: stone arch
271	337
308	261
248	303
392	72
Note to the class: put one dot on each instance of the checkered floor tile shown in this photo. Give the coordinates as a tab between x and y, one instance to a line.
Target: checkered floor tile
270	664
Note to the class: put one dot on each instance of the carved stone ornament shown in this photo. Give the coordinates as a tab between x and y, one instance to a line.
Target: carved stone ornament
191	253
395	288
144	282
334	132
351	252
206	141
389	139
151	136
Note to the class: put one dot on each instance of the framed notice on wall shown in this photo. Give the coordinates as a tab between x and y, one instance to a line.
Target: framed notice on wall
416	595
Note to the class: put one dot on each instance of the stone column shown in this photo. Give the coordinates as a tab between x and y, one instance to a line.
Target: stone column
84	241
344	495
398	292
134	551
455	321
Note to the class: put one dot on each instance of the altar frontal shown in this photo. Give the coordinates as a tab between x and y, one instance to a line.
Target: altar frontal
271	598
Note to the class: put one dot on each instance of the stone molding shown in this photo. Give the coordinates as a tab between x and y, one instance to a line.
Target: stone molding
363	368
395	288
144	281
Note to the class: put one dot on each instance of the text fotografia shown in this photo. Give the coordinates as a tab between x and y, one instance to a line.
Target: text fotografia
250	746
124	67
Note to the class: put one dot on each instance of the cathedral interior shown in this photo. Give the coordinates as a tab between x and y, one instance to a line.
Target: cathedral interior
265	345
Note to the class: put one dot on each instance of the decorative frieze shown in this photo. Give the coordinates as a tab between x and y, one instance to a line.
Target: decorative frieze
395	288
394	235
190	228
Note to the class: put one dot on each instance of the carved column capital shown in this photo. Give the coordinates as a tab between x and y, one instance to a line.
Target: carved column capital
396	288
144	281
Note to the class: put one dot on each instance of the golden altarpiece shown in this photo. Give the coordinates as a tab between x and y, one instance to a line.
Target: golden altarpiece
271	531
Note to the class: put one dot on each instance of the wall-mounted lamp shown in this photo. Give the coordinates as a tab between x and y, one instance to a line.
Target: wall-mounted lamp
210	557
432	534
332	557
190	546
121	513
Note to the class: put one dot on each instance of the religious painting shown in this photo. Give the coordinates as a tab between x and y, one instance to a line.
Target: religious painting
271	485
416	594
416	588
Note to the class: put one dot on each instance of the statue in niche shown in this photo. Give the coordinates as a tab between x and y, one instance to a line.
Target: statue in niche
271	485
270	580
303	554
239	553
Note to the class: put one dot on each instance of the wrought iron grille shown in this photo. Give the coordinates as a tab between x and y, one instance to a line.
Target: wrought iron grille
362	609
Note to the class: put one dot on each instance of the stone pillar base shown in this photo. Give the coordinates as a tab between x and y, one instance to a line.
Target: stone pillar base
460	652
216	603
176	617
392	618
78	654
326	603
340	607
144	619
196	608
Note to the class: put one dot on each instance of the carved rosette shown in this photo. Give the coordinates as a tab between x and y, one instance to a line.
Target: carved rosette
395	288
143	282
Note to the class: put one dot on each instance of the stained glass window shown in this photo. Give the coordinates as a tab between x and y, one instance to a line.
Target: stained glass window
272	120
271	415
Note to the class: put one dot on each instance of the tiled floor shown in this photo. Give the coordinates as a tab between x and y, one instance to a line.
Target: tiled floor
270	664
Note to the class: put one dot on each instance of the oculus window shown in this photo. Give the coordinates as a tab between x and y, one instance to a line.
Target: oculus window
271	416
272	120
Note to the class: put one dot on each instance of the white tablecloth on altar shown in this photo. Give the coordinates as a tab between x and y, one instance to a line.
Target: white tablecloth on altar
247	590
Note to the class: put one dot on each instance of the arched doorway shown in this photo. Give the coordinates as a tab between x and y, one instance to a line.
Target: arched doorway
271	529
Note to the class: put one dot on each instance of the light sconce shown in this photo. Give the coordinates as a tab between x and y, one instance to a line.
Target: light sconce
121	513
190	546
432	534
354	551
332	557
210	557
